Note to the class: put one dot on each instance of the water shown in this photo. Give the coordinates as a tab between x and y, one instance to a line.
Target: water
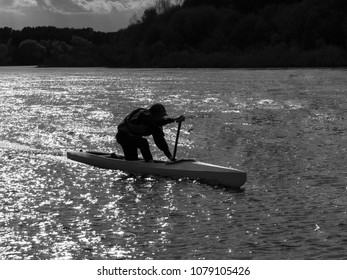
286	128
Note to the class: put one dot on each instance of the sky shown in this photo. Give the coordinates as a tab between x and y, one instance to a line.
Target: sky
101	15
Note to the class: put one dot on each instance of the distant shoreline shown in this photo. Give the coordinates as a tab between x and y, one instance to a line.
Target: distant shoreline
223	34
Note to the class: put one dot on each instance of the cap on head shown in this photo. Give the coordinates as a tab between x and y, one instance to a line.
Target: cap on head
158	110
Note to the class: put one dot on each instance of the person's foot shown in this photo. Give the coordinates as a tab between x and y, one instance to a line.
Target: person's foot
150	161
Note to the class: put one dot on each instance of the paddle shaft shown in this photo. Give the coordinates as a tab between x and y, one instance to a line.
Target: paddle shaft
176	143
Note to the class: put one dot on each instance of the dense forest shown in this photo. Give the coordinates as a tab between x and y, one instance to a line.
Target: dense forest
196	33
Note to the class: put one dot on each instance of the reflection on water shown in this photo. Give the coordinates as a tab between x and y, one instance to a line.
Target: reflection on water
286	128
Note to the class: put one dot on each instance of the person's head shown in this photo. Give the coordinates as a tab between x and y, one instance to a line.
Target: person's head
158	110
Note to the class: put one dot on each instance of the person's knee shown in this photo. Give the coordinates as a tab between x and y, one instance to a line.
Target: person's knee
120	138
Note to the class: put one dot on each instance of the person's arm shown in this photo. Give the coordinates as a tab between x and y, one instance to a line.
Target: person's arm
166	120
146	118
152	121
162	121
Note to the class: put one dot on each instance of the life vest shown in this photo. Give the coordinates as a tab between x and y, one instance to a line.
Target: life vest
133	123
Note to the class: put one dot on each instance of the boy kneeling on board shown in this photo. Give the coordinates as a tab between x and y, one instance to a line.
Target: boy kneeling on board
145	122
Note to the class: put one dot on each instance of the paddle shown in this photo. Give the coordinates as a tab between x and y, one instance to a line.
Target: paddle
177	136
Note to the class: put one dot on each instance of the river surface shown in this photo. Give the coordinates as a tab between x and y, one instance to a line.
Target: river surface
286	128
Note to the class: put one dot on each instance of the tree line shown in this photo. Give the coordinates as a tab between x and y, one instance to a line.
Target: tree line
196	33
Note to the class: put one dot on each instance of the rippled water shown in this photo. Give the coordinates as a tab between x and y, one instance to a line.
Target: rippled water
286	128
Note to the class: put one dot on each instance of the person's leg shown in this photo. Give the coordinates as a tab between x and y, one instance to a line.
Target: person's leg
130	152
129	148
144	148
130	144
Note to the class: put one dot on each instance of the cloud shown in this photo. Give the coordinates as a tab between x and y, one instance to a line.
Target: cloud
76	6
60	6
12	4
92	6
104	15
15	6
